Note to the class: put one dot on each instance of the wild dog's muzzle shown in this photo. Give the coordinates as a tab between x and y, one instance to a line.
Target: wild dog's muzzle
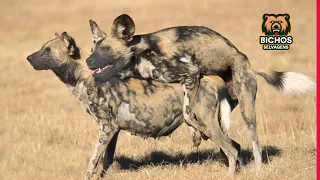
96	67
102	71
35	64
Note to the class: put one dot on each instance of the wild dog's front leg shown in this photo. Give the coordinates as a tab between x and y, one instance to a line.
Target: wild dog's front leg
109	154
105	135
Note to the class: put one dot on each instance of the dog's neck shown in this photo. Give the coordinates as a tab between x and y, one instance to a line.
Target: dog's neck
74	74
80	82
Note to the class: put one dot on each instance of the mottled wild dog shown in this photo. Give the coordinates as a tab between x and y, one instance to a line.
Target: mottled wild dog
141	107
120	52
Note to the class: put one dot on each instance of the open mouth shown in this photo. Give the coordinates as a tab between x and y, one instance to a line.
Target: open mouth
276	32
100	70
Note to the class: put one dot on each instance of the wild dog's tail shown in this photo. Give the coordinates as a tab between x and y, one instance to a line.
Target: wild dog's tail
288	82
224	106
225	115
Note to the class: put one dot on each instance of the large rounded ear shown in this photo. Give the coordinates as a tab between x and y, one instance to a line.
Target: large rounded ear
287	16
69	43
97	34
123	28
265	17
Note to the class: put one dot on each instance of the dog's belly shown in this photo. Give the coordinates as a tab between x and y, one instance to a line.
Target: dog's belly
146	124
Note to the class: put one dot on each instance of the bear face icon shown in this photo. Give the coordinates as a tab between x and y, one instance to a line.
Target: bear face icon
276	24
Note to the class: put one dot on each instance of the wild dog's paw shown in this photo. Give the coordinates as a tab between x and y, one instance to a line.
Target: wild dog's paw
106	171
196	138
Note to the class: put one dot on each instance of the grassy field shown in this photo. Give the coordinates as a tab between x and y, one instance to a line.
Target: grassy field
45	134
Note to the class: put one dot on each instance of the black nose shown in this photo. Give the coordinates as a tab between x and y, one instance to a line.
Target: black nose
29	58
89	61
276	26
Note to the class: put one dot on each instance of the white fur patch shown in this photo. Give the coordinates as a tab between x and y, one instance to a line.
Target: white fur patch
100	101
225	111
186	99
186	59
124	114
297	83
120	29
145	68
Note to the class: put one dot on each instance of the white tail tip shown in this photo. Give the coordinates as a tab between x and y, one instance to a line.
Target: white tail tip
296	83
225	113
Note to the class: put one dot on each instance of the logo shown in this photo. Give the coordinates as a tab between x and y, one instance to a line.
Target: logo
276	28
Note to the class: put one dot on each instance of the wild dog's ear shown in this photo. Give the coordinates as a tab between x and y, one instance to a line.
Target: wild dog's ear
123	28
286	16
97	34
69	43
56	34
265	16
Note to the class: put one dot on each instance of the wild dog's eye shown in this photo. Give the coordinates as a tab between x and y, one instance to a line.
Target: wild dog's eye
104	48
272	21
47	50
279	21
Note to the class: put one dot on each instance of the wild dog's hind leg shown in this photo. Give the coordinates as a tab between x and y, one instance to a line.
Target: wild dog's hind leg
208	109
105	136
245	85
225	143
227	104
213	130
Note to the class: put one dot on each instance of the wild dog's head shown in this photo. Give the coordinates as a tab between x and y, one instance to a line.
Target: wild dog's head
111	53
276	24
55	53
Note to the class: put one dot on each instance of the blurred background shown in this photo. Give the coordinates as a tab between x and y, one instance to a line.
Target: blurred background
45	134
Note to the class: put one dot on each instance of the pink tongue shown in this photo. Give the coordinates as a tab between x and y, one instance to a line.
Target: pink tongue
93	71
276	33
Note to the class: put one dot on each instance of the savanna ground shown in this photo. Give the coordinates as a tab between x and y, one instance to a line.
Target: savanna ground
45	134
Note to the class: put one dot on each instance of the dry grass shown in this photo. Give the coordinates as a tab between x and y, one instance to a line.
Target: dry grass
45	134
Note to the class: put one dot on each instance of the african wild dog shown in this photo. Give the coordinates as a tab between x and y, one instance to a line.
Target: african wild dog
141	107
120	52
